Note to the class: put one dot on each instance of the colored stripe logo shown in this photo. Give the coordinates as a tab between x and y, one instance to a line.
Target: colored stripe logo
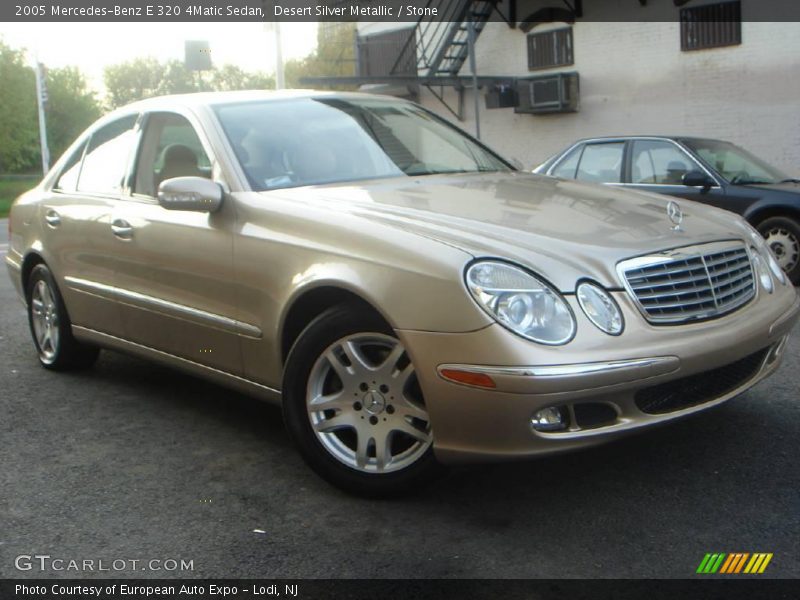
734	563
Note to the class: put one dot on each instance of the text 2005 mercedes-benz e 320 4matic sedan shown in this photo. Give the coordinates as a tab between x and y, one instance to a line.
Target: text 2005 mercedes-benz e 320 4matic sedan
408	297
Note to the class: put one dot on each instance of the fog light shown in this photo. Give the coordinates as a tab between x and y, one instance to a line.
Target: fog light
551	418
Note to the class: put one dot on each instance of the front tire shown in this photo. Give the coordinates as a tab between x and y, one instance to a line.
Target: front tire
51	328
782	235
353	406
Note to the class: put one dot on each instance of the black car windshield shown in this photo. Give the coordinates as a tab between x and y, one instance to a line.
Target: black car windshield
310	141
735	164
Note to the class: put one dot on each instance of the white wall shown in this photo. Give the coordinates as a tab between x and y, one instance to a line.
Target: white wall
634	79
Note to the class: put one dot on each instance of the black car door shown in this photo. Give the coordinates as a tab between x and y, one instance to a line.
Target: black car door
658	165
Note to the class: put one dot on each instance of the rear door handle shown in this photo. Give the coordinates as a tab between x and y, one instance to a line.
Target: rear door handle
122	229
52	218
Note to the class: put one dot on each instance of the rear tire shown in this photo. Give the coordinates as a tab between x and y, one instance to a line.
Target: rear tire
782	235
353	406
51	328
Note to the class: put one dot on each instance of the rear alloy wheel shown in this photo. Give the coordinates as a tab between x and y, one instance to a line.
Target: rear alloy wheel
50	325
782	235
355	408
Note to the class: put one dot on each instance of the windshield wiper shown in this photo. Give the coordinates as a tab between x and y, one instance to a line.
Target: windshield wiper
790	180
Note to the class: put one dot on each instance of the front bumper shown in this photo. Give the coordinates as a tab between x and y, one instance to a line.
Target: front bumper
478	424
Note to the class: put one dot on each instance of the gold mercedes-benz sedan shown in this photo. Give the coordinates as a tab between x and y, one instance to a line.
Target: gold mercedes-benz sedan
408	297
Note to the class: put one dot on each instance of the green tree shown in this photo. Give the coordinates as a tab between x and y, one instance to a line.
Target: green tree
133	80
70	109
231	77
177	79
334	56
19	129
146	77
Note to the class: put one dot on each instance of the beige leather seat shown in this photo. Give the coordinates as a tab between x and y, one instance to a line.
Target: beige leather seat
178	161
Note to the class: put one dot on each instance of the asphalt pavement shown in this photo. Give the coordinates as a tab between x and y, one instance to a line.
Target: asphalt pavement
132	461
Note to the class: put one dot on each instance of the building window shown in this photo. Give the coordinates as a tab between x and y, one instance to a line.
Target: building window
711	26
550	49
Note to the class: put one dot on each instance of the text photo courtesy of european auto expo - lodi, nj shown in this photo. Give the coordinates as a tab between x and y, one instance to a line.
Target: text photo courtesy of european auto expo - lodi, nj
347	299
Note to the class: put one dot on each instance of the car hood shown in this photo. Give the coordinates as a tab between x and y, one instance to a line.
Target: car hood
788	187
563	230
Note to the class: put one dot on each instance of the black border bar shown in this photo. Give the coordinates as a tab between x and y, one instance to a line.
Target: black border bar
744	587
399	11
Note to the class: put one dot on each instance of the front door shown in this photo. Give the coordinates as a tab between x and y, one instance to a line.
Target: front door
174	271
659	166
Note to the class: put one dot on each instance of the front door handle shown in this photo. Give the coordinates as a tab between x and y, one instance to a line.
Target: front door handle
122	229
52	218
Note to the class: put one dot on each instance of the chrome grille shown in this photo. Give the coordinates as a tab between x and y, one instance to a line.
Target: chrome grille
699	282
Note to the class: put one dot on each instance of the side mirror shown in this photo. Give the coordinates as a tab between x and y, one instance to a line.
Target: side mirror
190	193
698	179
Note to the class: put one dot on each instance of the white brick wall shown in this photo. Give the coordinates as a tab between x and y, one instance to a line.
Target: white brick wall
635	80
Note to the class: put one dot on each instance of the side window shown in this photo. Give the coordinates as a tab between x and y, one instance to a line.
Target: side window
107	157
568	166
170	148
659	163
601	163
68	180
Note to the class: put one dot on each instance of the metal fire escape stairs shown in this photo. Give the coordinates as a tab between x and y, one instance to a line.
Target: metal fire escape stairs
443	46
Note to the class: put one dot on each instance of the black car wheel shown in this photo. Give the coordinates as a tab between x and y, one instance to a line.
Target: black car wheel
783	237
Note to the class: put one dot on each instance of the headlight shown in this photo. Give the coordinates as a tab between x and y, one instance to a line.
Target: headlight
766	253
521	302
762	271
600	307
776	268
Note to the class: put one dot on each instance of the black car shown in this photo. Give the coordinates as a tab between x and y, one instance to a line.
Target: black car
711	171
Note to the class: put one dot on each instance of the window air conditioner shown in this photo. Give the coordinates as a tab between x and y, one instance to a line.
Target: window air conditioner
556	93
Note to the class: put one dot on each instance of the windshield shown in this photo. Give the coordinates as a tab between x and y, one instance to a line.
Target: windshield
308	141
735	164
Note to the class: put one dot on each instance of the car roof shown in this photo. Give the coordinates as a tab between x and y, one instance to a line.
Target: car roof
615	138
215	98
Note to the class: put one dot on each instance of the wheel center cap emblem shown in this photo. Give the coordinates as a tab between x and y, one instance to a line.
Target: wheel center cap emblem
675	214
374	402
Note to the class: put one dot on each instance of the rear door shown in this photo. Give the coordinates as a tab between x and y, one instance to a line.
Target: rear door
78	229
600	162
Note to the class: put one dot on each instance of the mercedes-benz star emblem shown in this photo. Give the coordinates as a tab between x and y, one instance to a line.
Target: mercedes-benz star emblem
675	214
374	402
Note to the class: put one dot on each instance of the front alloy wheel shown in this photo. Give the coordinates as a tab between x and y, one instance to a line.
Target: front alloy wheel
365	405
354	407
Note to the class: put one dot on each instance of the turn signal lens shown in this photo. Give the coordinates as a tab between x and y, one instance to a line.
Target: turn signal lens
600	307
762	272
776	269
468	378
